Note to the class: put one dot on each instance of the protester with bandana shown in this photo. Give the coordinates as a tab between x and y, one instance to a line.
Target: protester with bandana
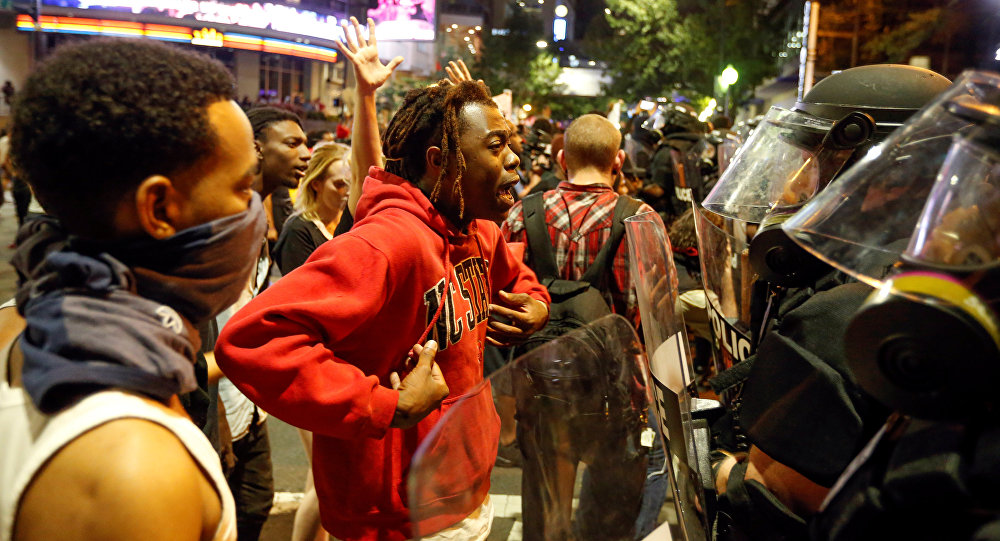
154	229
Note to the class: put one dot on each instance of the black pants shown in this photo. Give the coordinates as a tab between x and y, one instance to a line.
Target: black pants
22	198
252	481
554	441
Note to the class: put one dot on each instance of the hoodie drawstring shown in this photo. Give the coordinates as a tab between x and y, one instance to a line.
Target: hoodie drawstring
449	270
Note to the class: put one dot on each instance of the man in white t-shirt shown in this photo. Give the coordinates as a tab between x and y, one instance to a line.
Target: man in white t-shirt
147	177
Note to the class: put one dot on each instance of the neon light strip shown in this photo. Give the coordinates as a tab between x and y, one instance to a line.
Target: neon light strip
179	34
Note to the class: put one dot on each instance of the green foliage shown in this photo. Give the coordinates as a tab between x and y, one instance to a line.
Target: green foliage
391	95
576	106
653	48
861	32
512	61
895	45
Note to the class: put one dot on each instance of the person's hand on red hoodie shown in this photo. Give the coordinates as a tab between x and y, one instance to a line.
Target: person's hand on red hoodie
421	391
514	323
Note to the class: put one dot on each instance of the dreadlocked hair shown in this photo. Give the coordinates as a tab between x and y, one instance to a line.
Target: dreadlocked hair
430	117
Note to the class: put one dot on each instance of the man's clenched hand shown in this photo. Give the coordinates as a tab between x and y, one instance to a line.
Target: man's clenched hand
421	391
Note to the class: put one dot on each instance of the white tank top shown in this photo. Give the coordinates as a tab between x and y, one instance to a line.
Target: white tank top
31	437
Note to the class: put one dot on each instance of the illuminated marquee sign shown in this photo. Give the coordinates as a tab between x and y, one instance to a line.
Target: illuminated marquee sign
253	15
179	34
207	37
404	20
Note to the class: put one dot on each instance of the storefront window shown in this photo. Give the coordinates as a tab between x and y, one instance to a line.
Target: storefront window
282	78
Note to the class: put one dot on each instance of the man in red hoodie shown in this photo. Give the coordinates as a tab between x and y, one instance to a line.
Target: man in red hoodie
324	347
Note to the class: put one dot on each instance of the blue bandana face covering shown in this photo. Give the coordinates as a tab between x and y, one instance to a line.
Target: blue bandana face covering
104	314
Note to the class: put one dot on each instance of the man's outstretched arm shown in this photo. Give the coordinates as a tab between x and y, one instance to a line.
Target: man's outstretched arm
371	73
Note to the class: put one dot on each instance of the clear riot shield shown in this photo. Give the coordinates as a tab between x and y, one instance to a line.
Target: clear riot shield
724	246
726	150
681	416
581	404
699	168
683	190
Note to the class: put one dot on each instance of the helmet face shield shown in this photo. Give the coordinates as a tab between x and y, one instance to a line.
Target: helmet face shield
783	164
960	224
929	191
672	117
656	121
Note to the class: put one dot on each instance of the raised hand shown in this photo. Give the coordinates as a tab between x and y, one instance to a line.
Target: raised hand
458	72
363	54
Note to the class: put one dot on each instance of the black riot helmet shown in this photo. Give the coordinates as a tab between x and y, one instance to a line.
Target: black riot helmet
641	133
928	201
673	118
794	154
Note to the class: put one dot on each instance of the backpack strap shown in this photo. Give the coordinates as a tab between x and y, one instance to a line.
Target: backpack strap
543	260
596	273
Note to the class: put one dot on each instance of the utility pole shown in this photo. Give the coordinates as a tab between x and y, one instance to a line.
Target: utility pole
807	56
39	41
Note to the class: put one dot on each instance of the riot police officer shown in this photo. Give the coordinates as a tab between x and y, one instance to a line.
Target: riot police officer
926	342
669	190
794	398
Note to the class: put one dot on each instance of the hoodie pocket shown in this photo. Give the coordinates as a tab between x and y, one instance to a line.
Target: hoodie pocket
450	473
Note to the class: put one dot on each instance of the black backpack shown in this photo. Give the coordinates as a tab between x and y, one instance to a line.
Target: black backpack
575	303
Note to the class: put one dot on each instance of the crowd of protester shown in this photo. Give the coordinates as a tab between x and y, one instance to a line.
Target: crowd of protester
286	301
190	264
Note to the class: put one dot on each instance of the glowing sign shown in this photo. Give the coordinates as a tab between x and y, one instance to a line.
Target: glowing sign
254	15
179	34
208	37
404	20
558	29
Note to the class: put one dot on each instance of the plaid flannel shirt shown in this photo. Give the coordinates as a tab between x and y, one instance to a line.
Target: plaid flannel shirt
579	222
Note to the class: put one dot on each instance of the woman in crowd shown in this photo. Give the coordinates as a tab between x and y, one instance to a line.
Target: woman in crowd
319	204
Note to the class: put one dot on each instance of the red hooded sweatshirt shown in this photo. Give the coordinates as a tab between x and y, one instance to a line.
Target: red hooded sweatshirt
316	350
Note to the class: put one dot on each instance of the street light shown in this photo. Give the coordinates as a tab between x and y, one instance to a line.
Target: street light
526	107
562	10
729	76
541	44
727	79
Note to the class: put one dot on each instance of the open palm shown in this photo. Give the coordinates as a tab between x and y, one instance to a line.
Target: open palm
368	68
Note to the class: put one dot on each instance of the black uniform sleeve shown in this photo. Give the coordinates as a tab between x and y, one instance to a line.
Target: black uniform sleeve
661	170
801	404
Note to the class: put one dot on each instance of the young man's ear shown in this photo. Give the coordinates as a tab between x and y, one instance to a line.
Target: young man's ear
433	162
158	207
561	159
619	162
